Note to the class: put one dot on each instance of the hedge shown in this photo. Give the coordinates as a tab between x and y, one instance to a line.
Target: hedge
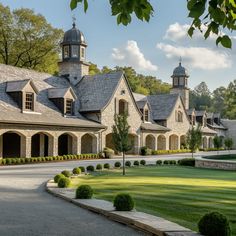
22	160
159	152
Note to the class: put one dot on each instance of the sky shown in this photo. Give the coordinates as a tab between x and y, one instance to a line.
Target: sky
152	48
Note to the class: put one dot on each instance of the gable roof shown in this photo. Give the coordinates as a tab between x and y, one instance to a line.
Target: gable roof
18	86
95	91
60	92
162	105
154	127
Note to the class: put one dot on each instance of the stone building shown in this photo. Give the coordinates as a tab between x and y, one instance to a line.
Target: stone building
73	113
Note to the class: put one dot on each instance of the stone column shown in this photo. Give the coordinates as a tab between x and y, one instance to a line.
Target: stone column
155	145
178	143
53	145
1	146
41	144
25	150
76	145
167	142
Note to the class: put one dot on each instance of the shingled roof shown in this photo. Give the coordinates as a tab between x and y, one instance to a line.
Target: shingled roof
95	91
46	113
162	105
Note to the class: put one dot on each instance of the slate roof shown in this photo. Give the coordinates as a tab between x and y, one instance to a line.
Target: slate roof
17	86
200	113
139	97
162	105
94	92
190	111
154	127
46	113
60	92
207	130
141	104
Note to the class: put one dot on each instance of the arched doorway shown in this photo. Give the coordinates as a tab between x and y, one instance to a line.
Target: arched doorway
133	140
210	142
88	144
183	144
40	145
109	141
150	142
204	142
65	144
12	144
161	142
173	142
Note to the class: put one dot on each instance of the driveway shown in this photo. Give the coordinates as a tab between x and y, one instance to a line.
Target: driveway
27	210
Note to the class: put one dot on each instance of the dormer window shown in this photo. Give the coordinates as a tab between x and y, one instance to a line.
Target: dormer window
75	51
146	115
29	101
66	51
69	106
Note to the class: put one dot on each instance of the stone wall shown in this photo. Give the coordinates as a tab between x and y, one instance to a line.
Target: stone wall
231	129
215	164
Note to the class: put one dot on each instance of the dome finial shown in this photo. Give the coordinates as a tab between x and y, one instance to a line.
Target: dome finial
180	60
74	20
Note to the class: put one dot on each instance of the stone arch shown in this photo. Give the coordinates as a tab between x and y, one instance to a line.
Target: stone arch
88	143
173	142
41	144
183	144
133	140
150	142
204	142
13	144
66	143
161	142
109	141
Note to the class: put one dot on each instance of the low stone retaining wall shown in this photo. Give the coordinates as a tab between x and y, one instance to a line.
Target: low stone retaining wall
215	164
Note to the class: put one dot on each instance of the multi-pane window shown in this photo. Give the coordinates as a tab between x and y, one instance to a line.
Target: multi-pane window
75	51
69	106
66	52
82	52
29	101
146	115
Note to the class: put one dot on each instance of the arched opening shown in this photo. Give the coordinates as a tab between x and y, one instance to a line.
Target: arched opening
173	142
179	116
204	142
161	142
88	144
65	144
123	107
183	144
150	142
109	141
12	144
210	142
133	140
40	145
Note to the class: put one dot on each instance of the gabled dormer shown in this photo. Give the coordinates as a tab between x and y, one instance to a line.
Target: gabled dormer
24	93
64	99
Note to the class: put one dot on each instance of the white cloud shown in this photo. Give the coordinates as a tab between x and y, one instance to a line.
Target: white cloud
131	55
197	57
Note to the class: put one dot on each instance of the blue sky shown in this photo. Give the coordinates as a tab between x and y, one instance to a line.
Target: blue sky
151	48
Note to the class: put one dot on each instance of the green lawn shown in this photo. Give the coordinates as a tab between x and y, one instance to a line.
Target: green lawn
179	194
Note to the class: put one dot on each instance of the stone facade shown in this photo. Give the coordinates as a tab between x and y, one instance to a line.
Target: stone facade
231	130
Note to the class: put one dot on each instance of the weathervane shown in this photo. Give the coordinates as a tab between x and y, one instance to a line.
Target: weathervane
74	20
180	60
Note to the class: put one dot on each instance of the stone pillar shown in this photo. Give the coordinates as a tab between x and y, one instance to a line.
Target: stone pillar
155	145
167	142
178	141
41	144
53	146
95	144
25	150
76	145
1	146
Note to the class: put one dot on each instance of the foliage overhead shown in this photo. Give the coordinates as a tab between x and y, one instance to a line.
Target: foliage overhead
28	40
209	16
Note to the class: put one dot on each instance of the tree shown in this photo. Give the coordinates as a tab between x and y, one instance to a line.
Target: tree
208	16
229	143
218	142
218	100
230	101
27	40
194	138
120	136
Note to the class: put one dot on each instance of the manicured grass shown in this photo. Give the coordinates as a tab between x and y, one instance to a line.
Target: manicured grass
179	194
230	157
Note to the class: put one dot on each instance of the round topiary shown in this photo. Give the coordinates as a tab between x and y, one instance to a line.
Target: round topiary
90	168
82	168
214	224
99	167
136	163
165	162
128	163
123	202
84	192
117	164
143	162
106	166
76	171
66	173
63	182
57	177
158	162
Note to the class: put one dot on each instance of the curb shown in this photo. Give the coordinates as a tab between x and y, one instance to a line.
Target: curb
146	223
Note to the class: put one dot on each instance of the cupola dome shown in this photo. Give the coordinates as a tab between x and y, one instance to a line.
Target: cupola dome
180	71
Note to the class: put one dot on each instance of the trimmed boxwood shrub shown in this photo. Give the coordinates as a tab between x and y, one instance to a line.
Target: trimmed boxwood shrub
99	167
128	163
143	151
108	152
143	162
117	164
82	168
165	162
187	162
84	192
57	177
76	171
159	162
90	168
63	182
66	173
172	162
136	163
214	224
106	166
123	202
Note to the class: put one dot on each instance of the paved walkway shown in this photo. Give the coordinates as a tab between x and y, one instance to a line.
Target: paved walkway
27	210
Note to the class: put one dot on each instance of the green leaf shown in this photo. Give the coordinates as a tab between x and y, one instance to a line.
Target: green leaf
190	31
85	5
73	4
197	10
233	3
226	41
218	40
